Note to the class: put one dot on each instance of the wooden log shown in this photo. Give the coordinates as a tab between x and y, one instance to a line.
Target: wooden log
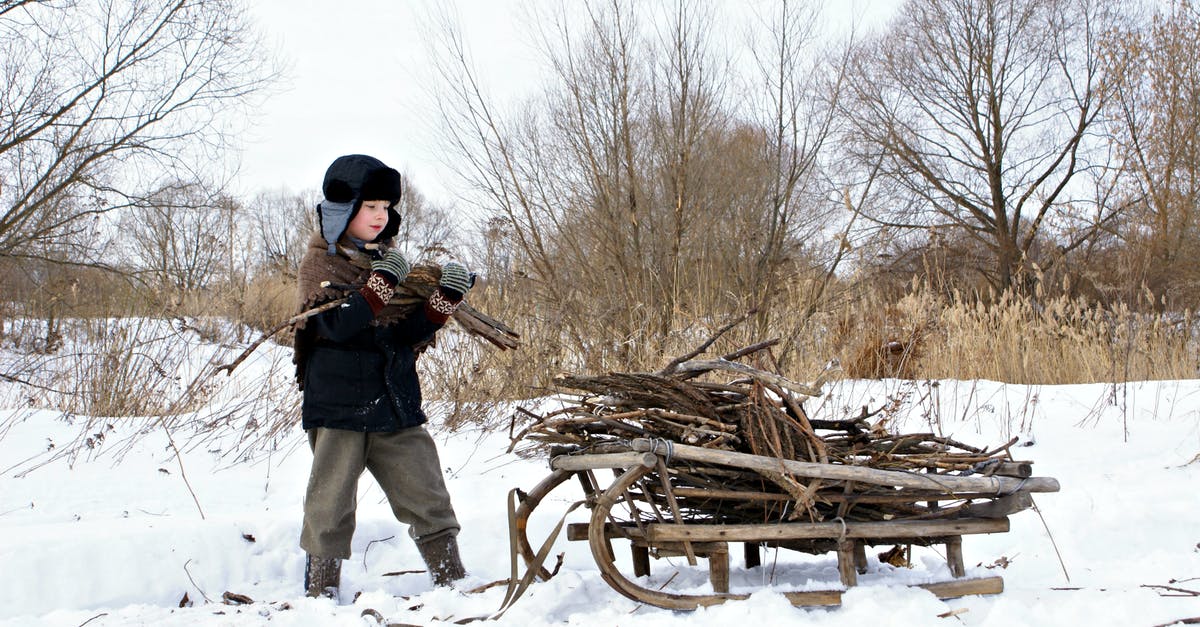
837	472
1014	469
1001	507
942	590
809	531
603	460
898	496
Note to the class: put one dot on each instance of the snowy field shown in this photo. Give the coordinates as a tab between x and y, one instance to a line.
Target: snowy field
126	533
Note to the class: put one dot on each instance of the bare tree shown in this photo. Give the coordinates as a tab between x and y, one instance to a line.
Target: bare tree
1156	115
280	224
630	195
107	99
980	111
181	237
794	101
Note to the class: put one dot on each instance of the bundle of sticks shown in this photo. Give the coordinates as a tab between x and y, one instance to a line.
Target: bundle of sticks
419	285
413	292
725	405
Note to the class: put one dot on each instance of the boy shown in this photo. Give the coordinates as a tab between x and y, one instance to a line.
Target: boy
356	366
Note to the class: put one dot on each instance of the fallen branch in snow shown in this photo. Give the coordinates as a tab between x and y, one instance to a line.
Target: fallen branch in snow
189	575
182	470
397	573
1183	592
368	548
233	598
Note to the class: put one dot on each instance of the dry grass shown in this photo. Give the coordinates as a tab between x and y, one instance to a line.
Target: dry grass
924	334
1043	340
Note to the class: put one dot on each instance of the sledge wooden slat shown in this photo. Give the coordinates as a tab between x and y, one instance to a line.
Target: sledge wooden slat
808	531
942	590
814	598
579	531
965	587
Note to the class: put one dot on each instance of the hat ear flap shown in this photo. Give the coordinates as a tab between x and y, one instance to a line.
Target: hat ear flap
392	228
333	218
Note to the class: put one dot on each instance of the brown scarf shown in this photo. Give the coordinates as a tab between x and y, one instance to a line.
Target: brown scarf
347	268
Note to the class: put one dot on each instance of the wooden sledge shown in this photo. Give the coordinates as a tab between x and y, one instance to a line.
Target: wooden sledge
660	515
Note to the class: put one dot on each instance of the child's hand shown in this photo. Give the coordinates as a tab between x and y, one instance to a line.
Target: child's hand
448	296
456	279
393	264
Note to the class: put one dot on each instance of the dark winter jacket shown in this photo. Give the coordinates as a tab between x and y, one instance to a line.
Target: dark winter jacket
359	376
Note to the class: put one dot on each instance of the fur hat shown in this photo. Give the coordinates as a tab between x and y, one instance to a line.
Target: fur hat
349	181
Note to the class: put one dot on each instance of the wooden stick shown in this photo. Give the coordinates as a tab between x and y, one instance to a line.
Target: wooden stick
671	368
812	531
900	496
705	365
665	479
603	460
753	348
228	368
947	483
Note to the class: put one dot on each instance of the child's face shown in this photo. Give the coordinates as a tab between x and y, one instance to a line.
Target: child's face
372	216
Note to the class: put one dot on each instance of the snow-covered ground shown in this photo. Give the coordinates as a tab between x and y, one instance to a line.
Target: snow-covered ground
124	533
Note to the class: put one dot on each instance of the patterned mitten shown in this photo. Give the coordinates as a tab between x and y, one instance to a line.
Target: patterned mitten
386	274
452	287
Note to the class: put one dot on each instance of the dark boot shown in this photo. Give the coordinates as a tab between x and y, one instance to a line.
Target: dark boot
441	556
322	576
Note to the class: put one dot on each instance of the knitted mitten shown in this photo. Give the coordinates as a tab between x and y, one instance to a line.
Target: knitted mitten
386	273
451	289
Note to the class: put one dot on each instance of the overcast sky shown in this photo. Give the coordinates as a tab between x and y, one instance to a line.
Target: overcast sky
353	84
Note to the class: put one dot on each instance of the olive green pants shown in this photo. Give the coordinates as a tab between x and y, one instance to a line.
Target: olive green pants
407	468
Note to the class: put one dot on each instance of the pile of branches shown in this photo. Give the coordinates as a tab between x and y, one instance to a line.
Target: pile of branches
727	405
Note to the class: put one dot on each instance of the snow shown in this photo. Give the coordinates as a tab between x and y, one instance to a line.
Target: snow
115	536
